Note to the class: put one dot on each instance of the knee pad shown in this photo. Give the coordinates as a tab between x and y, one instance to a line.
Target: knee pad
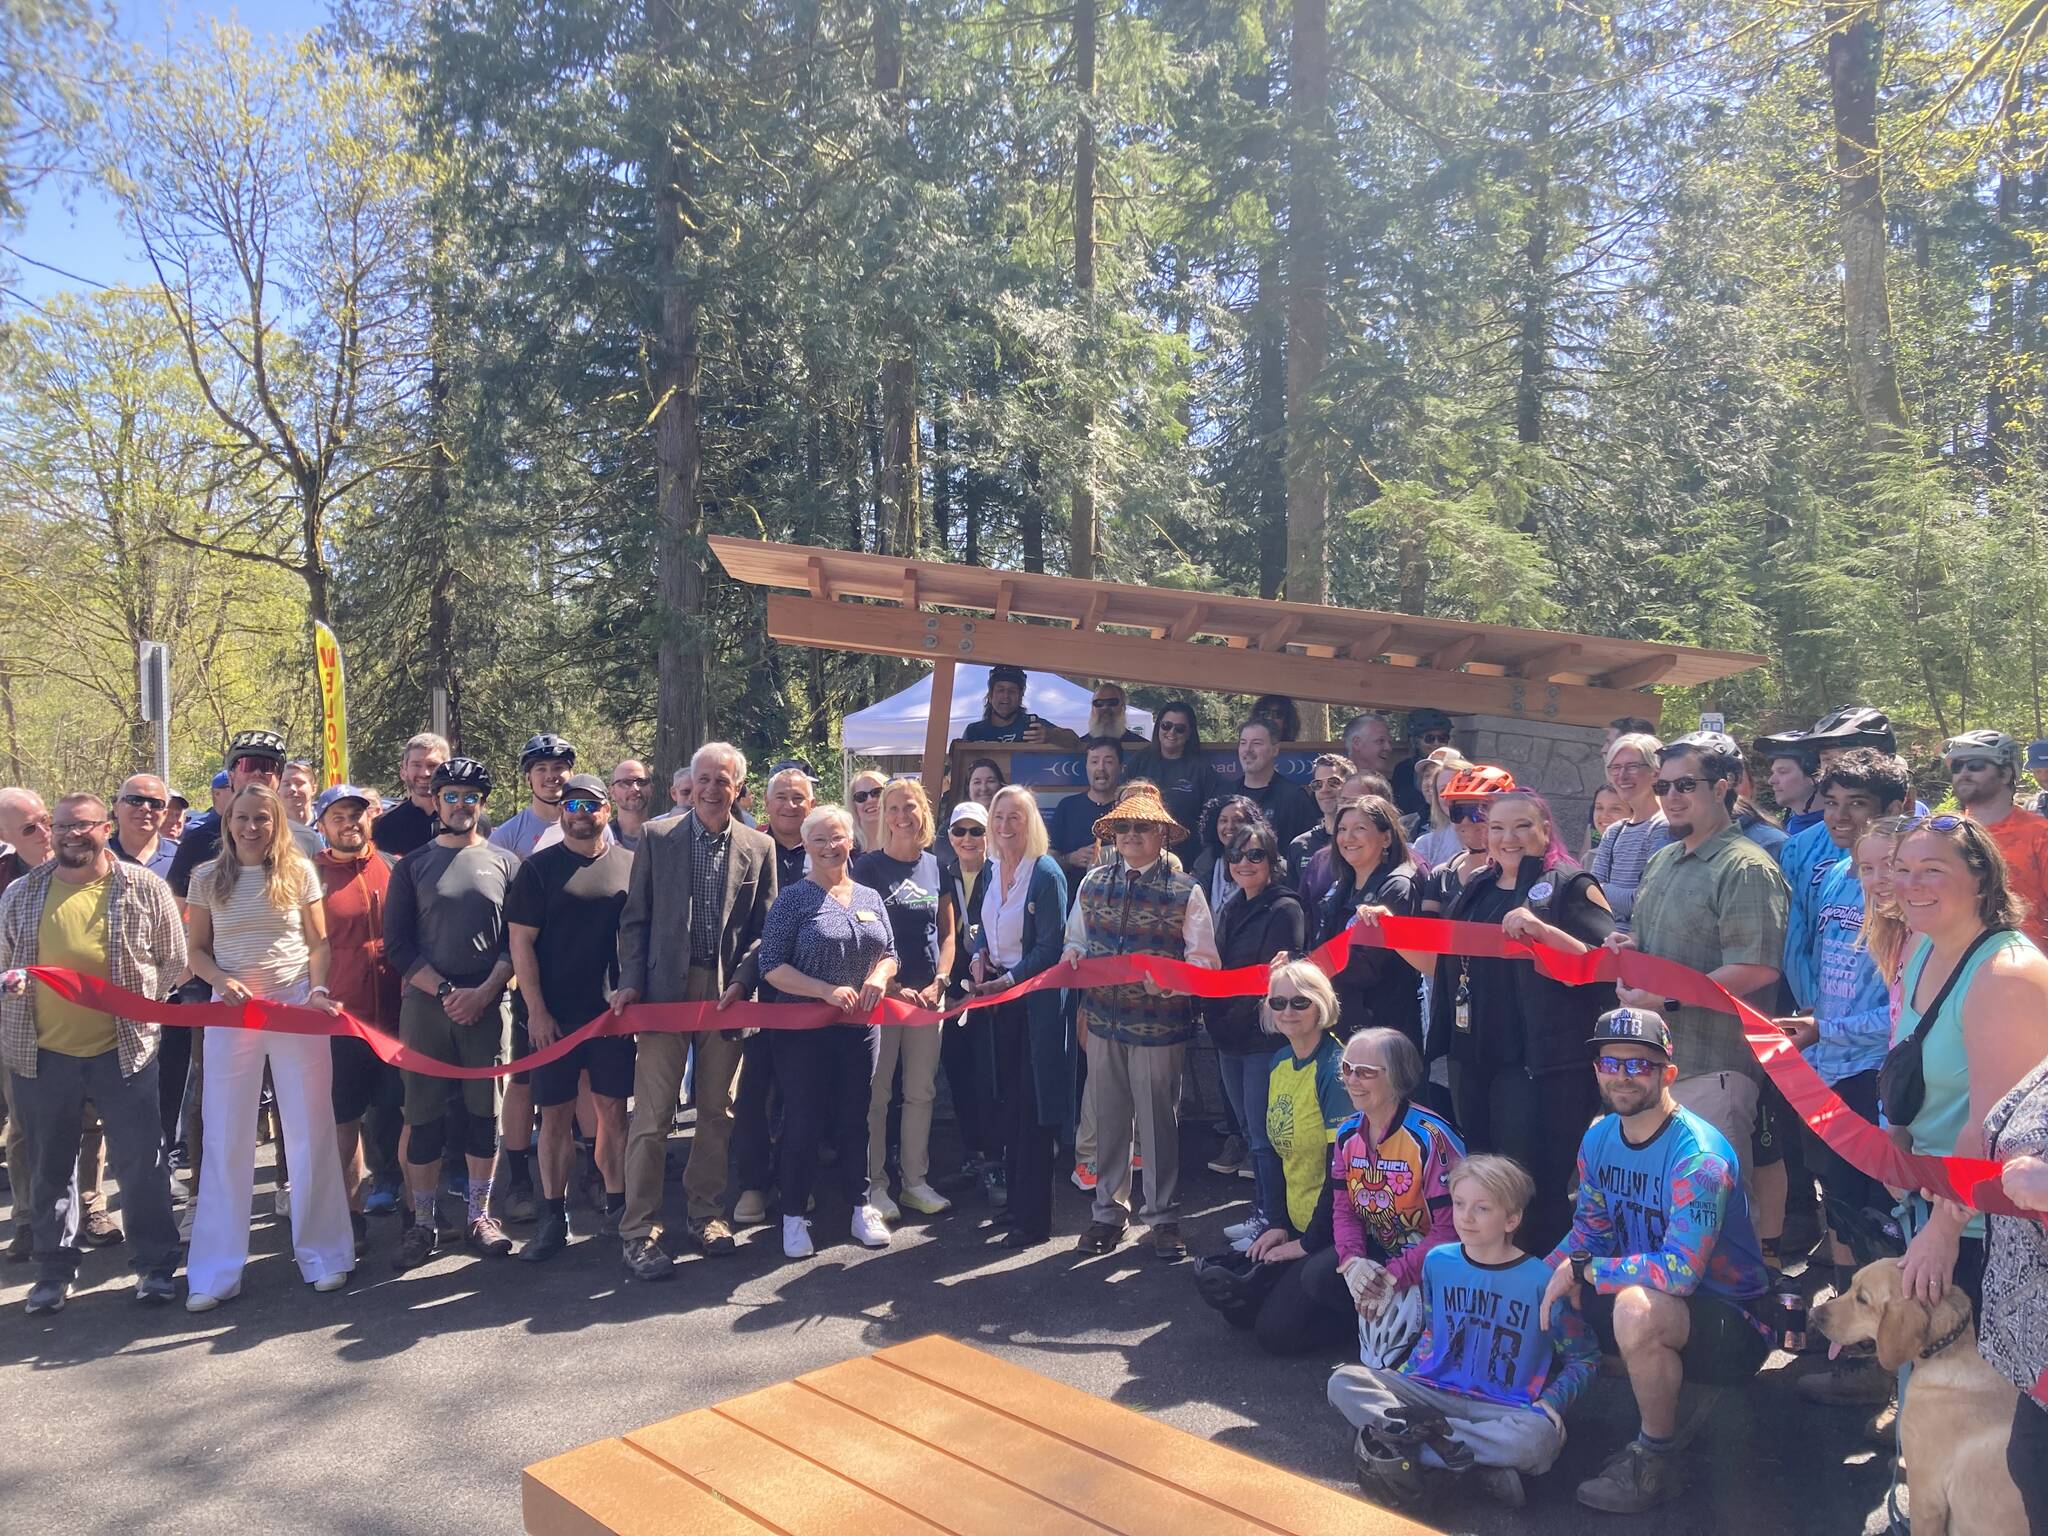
425	1144
479	1137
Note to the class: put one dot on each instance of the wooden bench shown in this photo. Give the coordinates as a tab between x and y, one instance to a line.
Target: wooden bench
929	1436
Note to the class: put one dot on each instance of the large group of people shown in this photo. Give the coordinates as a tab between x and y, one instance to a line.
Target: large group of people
1471	1174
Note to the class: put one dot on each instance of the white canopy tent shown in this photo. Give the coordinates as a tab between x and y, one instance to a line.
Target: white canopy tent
896	726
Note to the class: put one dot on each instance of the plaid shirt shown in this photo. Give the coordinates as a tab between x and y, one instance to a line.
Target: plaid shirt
145	953
710	852
1722	903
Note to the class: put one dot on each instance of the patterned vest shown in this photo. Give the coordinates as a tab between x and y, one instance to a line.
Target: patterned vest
1145	914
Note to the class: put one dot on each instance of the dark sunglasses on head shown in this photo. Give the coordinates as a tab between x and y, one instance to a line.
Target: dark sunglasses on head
582	805
147	802
1464	810
863	796
1249	856
1295	1004
968	829
461	797
1630	1066
1941	823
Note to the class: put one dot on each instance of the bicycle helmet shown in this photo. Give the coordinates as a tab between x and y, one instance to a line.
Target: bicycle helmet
1476	784
1797	745
465	771
1996	745
1234	1285
547	747
1384	1341
1853	726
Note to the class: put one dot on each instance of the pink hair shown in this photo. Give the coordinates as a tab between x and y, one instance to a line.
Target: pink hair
1556	853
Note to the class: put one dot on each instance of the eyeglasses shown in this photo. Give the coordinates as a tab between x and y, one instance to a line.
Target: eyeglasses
1295	1004
968	829
863	796
582	806
461	797
1465	811
1249	856
1628	1066
1683	785
1616	770
146	802
1360	1071
631	783
1322	784
1170	728
1970	764
1434	738
67	828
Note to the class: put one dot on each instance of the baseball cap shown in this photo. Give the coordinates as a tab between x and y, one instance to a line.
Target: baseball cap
968	810
220	780
177	797
334	794
2037	754
1638	1026
585	784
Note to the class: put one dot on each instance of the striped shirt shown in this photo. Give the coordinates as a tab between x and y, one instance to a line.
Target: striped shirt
262	948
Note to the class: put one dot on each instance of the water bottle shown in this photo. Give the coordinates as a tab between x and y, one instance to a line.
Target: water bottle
1791	1321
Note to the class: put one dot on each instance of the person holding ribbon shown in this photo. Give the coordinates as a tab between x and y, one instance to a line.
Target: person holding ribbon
1372	868
257	930
2014	1334
828	938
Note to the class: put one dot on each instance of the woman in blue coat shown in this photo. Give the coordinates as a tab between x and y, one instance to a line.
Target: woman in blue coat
1023	921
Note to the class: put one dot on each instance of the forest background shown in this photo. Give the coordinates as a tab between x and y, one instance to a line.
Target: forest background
1721	322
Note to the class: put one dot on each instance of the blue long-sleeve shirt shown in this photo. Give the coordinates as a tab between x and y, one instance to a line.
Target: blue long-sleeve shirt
1803	860
1851	1004
1483	1334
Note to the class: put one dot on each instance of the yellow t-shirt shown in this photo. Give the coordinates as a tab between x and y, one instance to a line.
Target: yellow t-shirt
74	935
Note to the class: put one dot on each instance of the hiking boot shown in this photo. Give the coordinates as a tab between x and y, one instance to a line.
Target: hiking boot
1634	1479
646	1260
48	1295
487	1237
712	1236
1388	1474
1231	1158
1503	1485
415	1246
1850	1382
1101	1237
517	1203
549	1238
1165	1241
98	1229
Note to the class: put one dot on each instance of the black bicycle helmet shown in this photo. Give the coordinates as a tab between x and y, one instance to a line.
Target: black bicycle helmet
1233	1284
465	771
1797	745
1854	726
547	747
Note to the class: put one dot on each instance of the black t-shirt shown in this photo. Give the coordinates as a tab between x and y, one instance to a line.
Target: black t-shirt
402	828
575	902
1289	807
988	730
910	895
1186	784
1073	823
789	865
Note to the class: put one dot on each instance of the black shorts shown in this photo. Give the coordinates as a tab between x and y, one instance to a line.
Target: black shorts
362	1081
522	1043
1773	1117
1840	1180
1723	1348
607	1058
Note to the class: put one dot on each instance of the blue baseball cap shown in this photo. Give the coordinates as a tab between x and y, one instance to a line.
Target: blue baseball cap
1639	1026
2037	754
220	780
335	794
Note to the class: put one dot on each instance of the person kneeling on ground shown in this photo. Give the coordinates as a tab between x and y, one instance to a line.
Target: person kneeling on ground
1486	1388
1662	1258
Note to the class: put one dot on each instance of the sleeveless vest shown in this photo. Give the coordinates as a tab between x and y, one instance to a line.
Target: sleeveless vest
1125	914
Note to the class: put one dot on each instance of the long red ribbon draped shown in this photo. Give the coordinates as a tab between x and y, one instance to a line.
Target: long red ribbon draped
1973	1181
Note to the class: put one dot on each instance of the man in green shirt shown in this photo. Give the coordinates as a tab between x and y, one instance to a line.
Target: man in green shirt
1713	901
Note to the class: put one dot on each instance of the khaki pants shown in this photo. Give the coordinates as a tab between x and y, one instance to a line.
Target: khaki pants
917	1047
1138	1083
657	1080
1726	1101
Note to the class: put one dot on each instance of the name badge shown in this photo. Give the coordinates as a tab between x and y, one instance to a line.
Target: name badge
863	915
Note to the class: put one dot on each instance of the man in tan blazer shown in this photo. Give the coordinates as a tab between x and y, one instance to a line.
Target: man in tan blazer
700	892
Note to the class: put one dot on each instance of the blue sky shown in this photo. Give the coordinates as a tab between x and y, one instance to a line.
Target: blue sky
69	224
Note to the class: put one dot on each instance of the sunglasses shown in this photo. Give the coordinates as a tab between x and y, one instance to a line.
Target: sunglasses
1970	764
582	805
631	783
1249	856
1296	1004
1683	785
1464	811
1942	823
1169	728
1321	784
967	829
863	796
1105	703
1360	1071
461	797
146	802
1628	1066
268	765
1435	738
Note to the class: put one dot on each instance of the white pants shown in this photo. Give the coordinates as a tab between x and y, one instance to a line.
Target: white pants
917	1047
302	1071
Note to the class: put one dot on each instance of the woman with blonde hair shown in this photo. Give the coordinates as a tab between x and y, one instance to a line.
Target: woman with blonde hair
1884	924
1439	843
864	799
920	907
257	930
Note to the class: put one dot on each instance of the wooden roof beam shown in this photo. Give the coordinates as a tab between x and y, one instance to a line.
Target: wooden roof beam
1638	674
1370	643
1276	637
1098	605
814	575
1545	665
1005	591
1453	656
910	587
1189	624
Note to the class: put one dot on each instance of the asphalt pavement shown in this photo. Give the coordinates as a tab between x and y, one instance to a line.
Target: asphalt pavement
409	1403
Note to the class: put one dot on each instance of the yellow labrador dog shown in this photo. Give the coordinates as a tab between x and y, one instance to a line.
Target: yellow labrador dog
1958	1410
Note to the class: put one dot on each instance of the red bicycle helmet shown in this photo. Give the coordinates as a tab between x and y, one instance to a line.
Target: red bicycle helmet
1476	784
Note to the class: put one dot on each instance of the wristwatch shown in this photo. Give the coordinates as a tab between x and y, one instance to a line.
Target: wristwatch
319	992
441	992
1586	1272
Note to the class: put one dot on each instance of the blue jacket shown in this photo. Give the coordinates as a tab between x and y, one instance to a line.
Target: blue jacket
1851	1003
1052	1040
1803	860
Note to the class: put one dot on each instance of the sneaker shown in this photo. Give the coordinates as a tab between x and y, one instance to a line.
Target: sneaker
713	1236
48	1295
1165	1241
1244	1231
333	1282
1248	1171
487	1237
1084	1177
156	1288
1634	1479
381	1198
415	1246
281	1201
1850	1382
1388	1474
199	1301
995	1186
22	1245
880	1203
751	1209
1503	1485
796	1238
925	1200
1137	1162
1100	1237
517	1203
646	1260
869	1229
609	1218
549	1238
98	1229
1232	1158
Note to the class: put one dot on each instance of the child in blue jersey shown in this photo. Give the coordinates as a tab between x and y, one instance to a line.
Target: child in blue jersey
1662	1259
1486	1388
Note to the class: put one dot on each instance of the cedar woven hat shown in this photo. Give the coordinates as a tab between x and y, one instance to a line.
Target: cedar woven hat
1140	810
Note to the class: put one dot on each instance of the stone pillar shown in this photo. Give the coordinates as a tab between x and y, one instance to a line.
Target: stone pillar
1560	762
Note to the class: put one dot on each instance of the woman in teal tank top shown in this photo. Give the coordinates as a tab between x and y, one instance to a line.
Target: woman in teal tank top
1991	1031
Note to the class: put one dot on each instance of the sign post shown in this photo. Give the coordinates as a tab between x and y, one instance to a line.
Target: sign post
333	707
153	659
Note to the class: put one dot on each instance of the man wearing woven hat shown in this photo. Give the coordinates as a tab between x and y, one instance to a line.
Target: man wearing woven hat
1137	1035
1984	771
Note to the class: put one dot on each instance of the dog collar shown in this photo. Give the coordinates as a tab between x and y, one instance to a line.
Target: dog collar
1945	1340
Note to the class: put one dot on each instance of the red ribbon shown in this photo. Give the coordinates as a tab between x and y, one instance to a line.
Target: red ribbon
1972	1181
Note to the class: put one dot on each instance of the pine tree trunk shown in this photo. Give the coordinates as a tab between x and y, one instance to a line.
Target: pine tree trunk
1854	50
1083	535
1308	316
899	480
